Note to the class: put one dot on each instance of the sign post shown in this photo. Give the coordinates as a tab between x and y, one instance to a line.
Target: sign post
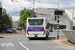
57	20
57	13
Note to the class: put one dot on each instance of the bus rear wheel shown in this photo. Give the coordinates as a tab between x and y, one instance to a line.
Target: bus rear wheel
30	38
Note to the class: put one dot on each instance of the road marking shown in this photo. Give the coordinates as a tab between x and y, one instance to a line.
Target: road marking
2	44
10	44
23	46
6	44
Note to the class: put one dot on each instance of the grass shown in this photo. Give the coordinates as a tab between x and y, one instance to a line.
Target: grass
74	18
24	32
63	36
3	34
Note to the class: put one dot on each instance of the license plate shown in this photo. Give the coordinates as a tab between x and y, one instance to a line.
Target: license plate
35	34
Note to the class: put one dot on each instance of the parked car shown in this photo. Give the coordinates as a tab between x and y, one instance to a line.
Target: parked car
9	30
13	29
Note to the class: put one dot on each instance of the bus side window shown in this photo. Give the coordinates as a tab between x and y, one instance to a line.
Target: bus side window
47	27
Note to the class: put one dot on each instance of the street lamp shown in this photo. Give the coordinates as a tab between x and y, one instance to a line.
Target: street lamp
33	9
33	6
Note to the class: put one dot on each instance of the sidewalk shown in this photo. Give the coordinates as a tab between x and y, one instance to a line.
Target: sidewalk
56	30
64	42
18	32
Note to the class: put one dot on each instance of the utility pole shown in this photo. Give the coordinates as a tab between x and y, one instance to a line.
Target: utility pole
58	13
33	9
57	20
33	6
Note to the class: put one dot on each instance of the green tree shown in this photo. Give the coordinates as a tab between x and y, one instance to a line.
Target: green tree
6	20
22	11
26	14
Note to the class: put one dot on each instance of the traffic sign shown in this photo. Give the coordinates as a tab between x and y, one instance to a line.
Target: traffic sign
58	12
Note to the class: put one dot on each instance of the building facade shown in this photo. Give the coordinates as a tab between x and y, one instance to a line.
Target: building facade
48	13
15	24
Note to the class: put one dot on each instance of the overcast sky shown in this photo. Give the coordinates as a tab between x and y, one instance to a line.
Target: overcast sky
21	4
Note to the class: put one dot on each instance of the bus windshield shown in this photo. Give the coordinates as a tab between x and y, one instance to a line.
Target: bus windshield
35	21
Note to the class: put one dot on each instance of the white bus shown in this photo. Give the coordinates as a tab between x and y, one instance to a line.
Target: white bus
37	28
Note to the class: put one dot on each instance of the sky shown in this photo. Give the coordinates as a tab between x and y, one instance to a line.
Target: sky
15	16
21	4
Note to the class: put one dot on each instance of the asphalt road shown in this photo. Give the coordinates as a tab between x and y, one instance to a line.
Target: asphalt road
20	42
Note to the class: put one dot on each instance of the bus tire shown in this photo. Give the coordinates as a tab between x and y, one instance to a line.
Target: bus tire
29	38
46	36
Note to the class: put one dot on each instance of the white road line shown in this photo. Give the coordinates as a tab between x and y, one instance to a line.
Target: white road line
23	46
2	44
7	44
10	44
